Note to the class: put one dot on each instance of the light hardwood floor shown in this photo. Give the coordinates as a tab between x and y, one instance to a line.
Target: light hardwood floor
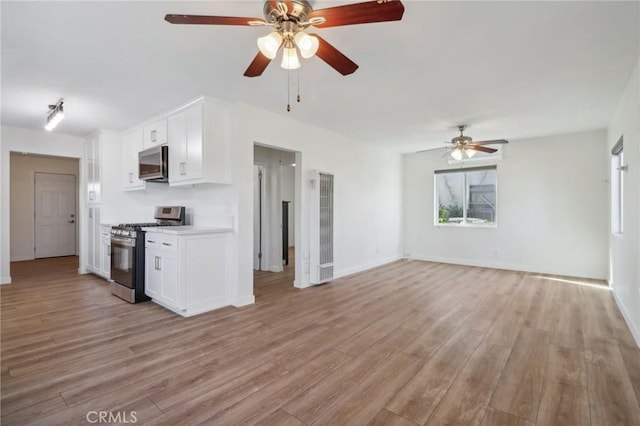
404	344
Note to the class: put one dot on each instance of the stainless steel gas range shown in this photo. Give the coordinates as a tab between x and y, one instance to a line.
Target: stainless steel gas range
127	253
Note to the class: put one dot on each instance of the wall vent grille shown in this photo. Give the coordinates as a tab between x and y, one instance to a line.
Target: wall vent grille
322	224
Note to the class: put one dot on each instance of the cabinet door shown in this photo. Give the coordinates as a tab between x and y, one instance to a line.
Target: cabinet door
195	142
105	251
186	162
153	279
93	169
131	146
94	240
155	134
91	236
168	265
89	172
97	240
106	257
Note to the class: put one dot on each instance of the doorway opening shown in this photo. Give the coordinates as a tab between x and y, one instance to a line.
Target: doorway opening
274	220
44	196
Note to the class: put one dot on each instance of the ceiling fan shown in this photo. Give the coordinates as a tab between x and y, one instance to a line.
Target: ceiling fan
290	20
463	145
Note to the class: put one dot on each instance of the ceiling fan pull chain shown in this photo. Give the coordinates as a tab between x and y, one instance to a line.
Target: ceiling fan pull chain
288	90
298	97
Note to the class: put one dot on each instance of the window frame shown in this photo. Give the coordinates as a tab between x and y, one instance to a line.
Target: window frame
464	223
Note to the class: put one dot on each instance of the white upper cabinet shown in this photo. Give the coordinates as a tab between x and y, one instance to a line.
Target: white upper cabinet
132	144
199	138
155	134
93	171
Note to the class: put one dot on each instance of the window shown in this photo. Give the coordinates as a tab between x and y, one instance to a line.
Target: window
617	181
466	196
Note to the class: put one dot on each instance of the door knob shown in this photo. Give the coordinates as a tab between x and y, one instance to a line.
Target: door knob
72	221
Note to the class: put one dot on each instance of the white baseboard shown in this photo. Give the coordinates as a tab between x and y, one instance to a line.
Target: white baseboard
466	262
243	301
634	331
5	280
499	265
360	268
21	258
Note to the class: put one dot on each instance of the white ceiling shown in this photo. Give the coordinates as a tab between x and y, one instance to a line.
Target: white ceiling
507	69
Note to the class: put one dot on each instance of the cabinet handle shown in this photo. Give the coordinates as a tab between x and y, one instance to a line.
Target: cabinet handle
159	267
130	177
109	250
183	169
153	136
167	244
156	260
90	213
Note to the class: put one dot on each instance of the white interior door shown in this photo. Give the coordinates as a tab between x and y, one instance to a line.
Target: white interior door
55	215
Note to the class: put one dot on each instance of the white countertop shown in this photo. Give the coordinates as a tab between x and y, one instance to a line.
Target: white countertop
187	230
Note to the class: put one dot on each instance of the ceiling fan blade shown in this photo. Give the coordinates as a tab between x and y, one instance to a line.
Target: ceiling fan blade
495	141
257	66
481	148
359	13
334	57
211	20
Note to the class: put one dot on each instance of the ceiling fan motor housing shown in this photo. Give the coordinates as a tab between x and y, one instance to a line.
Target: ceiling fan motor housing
461	140
298	11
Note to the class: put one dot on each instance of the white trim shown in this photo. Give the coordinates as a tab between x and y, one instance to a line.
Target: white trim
22	258
479	264
361	268
243	301
275	269
5	280
634	331
505	266
351	271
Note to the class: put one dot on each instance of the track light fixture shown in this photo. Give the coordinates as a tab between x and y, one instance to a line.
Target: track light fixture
55	115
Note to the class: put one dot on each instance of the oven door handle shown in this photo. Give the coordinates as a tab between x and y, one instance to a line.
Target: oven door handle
128	242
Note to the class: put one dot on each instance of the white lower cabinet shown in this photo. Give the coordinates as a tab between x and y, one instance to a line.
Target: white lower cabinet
186	273
98	244
161	272
106	251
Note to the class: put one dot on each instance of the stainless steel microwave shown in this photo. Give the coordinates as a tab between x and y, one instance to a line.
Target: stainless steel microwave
153	164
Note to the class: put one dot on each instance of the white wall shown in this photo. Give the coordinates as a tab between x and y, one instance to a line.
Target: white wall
368	192
23	169
625	249
552	211
13	139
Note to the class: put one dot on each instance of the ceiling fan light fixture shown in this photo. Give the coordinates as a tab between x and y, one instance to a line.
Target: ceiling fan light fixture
270	44
456	154
290	59
307	44
470	152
